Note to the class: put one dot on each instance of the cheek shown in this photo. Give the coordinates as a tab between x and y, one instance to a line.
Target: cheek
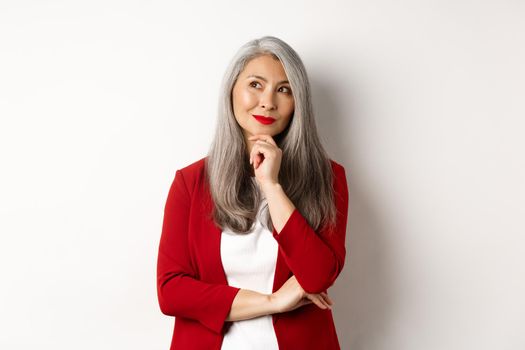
288	108
243	98
247	99
243	101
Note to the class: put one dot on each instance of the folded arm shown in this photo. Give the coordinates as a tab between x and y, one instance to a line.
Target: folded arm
315	258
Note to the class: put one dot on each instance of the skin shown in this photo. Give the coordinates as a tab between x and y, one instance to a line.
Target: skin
269	96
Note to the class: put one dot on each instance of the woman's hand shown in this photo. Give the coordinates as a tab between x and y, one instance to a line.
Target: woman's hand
292	296
265	157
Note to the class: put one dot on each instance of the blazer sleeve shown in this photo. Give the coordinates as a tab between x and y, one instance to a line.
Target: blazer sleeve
316	258
180	292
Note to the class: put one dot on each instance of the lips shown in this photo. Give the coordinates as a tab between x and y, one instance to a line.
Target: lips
264	120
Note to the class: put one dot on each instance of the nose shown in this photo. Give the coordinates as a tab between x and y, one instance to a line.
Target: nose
267	100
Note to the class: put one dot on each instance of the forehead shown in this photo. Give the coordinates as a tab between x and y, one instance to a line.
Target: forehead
266	66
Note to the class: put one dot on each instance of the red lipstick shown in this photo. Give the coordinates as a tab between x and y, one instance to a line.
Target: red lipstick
263	120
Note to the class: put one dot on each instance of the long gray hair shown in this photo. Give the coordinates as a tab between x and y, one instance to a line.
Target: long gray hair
305	174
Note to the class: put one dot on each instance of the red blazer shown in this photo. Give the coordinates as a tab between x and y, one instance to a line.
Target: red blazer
192	284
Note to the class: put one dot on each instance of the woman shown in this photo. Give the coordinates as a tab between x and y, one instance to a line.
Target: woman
254	233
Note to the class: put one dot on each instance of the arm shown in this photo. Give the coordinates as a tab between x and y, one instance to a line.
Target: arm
315	258
279	205
249	304
179	291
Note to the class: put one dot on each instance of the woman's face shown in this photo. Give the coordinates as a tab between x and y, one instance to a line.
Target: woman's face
262	89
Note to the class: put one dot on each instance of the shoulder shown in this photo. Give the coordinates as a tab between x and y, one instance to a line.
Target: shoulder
337	168
193	173
193	168
340	182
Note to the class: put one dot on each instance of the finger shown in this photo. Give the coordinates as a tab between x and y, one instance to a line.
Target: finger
257	150
263	145
306	301
260	147
327	298
264	137
254	156
329	301
302	302
317	301
324	301
258	160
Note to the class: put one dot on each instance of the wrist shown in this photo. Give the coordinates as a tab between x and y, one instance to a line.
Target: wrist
250	304
272	304
270	187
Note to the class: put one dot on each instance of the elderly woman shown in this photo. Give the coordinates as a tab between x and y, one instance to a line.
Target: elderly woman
254	233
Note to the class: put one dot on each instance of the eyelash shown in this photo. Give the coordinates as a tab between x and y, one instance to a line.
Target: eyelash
289	90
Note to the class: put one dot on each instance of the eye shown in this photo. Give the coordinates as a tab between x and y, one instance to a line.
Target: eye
288	90
254	83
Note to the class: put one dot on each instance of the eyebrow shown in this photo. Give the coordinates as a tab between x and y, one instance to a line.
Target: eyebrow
263	79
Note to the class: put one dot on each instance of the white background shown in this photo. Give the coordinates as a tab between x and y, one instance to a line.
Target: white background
421	101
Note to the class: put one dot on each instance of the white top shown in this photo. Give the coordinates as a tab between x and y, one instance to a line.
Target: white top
249	263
